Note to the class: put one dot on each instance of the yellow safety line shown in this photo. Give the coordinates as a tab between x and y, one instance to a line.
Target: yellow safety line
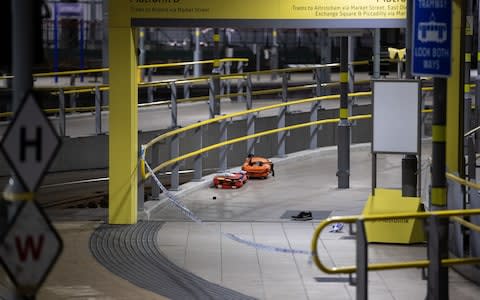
394	265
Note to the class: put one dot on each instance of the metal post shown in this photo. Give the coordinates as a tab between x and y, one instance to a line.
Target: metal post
477	87
155	159
61	114
105	58
186	86
250	117
82	48
314	111
197	161
409	162
197	54
343	149
55	40
150	89
439	119
222	162
408	40
175	152
214	97
240	82
22	63
468	10
142	51
437	250
175	141
376	53
362	262
98	111
282	136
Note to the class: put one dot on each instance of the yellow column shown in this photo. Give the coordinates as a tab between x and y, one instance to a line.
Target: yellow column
454	138
123	127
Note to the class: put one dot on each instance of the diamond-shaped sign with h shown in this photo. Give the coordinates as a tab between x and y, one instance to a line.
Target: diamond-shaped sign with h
30	143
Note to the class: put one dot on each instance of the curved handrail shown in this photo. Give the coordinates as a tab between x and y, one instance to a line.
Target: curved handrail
246	112
164	65
395	265
462	181
172	161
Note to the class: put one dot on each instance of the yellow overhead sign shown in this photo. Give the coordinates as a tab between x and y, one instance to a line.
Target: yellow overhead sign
124	10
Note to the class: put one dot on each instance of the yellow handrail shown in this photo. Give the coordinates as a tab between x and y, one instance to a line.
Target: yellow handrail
395	265
99	70
462	181
236	140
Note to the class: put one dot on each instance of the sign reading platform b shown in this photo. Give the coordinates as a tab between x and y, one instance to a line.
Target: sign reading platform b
432	38
30	143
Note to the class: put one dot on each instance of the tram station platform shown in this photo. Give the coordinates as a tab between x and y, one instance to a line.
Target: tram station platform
170	257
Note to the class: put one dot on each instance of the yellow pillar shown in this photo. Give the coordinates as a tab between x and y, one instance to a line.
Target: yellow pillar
123	127
454	127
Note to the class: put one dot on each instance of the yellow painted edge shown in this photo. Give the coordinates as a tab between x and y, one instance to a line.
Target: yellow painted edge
216	38
468	57
28	196
439	196
478	55
343	113
466	88
438	133
343	77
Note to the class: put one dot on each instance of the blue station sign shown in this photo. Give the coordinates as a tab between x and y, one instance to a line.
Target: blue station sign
432	38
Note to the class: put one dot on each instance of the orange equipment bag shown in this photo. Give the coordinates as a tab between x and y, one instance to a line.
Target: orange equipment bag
230	180
257	167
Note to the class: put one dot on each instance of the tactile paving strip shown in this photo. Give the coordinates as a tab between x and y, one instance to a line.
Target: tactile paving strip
131	252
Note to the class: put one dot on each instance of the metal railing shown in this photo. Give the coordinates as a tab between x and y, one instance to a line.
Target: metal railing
362	267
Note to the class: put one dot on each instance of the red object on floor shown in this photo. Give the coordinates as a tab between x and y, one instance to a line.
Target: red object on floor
230	180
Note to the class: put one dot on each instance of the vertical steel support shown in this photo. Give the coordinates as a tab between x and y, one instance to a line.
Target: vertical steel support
408	40
343	149
98	111
61	116
175	152
73	100
197	54
477	86
105	54
228	66
222	162
409	162
186	86
198	160
376	53
250	117
240	97
140	187
22	64
282	136
150	89
362	262
439	182
141	49
468	10
437	286
314	110
175	141
212	103
155	159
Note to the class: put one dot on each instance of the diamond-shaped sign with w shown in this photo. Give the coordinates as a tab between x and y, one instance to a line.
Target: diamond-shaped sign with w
30	143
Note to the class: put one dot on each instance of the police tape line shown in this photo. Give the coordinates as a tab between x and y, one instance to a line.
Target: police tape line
188	213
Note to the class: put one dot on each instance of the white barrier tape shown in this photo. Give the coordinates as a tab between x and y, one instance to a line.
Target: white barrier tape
230	236
172	197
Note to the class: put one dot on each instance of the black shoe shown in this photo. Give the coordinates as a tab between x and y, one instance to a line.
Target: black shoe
303	216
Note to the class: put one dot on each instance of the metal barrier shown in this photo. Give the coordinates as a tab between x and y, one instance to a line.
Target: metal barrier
362	267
